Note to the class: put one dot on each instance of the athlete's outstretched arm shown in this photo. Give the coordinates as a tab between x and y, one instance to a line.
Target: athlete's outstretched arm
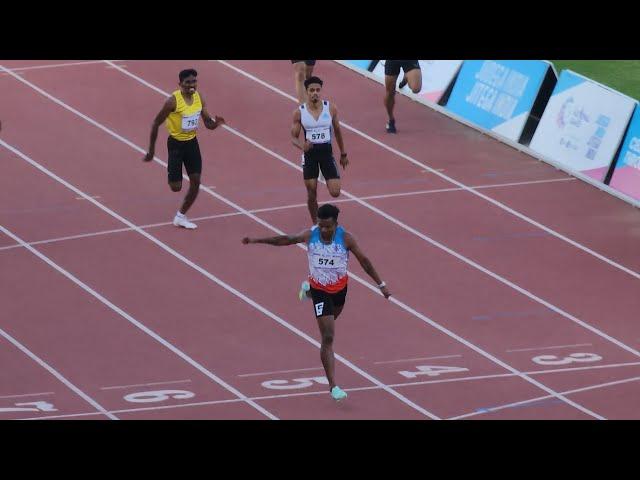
344	161
168	107
281	240
367	266
210	122
296	128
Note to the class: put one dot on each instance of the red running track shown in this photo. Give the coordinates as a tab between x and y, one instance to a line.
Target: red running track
157	314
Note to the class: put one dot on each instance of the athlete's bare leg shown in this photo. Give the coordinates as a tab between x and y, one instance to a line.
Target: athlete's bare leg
390	95
333	185
312	199
192	193
326	324
414	79
300	70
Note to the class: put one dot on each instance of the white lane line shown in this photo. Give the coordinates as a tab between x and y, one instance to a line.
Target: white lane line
550	348
121	312
119	387
207	274
57	65
417	359
49	368
28	395
356	389
279	371
451	180
538	399
274	229
272	209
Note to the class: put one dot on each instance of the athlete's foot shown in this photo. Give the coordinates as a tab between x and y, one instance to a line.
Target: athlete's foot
403	82
303	292
338	394
180	220
391	126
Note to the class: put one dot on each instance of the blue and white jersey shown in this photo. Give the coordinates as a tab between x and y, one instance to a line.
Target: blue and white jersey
328	262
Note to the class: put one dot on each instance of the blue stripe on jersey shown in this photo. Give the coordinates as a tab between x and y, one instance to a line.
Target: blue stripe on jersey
338	237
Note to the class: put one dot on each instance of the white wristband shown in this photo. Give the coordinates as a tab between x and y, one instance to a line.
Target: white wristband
382	285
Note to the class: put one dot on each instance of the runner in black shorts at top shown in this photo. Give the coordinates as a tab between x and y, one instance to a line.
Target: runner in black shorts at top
303	69
412	76
319	120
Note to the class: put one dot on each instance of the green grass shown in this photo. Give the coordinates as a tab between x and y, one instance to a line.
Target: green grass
621	75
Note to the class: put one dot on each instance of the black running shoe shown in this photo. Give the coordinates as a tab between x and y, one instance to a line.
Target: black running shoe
403	82
391	126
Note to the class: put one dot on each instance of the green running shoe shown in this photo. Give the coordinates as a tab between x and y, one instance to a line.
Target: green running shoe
304	288
338	394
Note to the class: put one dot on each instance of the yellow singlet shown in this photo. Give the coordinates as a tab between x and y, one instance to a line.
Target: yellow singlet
183	122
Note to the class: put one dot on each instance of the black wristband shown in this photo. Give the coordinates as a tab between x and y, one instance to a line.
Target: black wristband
343	155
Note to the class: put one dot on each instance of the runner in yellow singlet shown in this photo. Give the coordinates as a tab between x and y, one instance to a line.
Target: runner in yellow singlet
182	112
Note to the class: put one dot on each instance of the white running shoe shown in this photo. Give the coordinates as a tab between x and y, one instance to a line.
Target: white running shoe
181	220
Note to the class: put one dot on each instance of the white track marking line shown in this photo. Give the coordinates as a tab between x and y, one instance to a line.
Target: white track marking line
356	389
120	387
52	370
550	348
57	65
271	209
416	359
451	180
279	371
210	276
28	395
117	309
392	219
274	229
537	399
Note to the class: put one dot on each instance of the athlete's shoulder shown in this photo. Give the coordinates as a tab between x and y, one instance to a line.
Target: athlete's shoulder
171	102
349	239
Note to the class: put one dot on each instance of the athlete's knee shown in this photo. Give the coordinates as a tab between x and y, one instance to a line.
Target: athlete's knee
327	338
175	187
334	192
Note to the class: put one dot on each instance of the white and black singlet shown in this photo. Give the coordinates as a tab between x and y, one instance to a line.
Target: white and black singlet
318	132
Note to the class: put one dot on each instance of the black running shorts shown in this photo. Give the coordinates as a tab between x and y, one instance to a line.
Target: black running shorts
187	153
325	303
392	67
319	158
309	63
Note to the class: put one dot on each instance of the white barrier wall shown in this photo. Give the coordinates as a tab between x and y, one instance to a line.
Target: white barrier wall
583	125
